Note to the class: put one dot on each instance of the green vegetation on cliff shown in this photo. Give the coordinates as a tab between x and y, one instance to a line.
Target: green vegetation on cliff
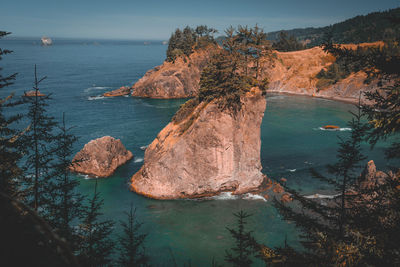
374	60
232	72
373	27
184	42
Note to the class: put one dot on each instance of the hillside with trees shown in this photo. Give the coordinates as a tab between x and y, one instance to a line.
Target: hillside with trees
372	27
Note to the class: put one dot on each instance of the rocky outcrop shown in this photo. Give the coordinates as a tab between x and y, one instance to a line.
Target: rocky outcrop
370	177
100	157
295	73
291	73
208	152
124	90
33	93
179	79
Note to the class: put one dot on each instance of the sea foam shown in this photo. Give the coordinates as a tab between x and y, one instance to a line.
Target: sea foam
138	160
90	98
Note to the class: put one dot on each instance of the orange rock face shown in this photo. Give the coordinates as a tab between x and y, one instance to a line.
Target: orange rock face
33	93
286	198
179	79
295	73
124	90
101	157
208	152
331	127
278	188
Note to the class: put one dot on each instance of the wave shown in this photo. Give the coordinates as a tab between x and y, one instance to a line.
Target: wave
97	97
86	176
319	196
137	160
333	130
277	97
250	196
291	170
225	196
231	196
143	147
87	90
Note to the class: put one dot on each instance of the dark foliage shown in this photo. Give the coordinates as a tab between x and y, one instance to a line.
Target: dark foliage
287	43
9	137
184	42
246	247
65	206
95	245
131	242
373	27
38	145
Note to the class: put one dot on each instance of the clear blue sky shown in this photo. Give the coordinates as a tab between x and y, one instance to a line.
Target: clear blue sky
154	19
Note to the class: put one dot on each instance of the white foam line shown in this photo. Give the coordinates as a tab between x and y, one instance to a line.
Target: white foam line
314	196
138	160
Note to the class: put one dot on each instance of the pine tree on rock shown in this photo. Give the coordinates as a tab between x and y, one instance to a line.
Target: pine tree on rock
132	250
95	245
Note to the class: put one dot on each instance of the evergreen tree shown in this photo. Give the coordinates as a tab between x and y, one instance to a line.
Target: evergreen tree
9	138
244	37
65	207
245	245
189	41
328	231
287	43
132	250
38	145
260	48
95	245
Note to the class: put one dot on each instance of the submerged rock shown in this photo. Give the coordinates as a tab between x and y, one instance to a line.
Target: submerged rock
331	127
179	79
101	157
208	152
33	93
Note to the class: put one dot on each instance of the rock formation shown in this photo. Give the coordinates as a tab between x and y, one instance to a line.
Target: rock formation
208	152
179	79
100	157
370	177
291	72
124	90
33	93
295	73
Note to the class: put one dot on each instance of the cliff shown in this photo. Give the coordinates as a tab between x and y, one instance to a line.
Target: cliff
101	157
208	152
291	73
179	79
295	73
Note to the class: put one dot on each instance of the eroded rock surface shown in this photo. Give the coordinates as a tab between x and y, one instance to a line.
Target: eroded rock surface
101	157
210	151
295	73
123	90
179	79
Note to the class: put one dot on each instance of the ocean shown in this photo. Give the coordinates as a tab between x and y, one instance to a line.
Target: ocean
79	71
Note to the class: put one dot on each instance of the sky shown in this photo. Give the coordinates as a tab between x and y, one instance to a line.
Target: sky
155	19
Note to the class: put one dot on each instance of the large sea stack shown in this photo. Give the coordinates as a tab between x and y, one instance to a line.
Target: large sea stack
101	157
210	151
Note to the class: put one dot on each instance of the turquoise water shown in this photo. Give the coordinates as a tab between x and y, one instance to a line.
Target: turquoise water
80	70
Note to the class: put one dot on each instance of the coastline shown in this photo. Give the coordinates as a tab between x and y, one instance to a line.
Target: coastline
339	99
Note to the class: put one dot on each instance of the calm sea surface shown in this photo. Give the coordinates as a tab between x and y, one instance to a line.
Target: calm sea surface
79	71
